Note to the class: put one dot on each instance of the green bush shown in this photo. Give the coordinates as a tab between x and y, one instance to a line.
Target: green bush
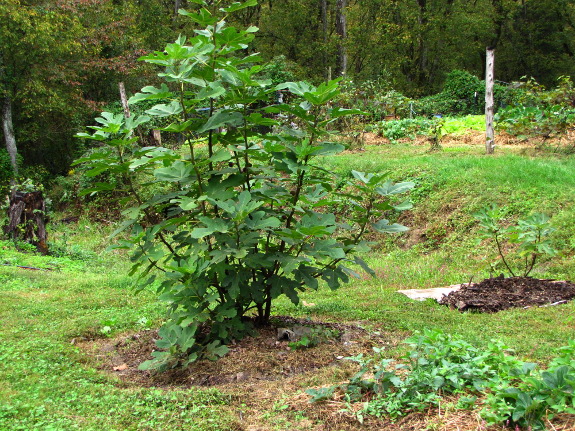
464	94
461	95
532	94
440	103
65	192
543	121
279	70
537	112
405	128
462	85
375	98
246	216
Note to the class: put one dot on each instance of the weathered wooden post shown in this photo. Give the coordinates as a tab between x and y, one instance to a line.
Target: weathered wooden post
489	104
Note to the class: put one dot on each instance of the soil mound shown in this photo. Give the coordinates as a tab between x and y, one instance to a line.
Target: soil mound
499	293
263	357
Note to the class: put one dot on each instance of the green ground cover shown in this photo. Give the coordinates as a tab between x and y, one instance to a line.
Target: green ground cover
48	383
461	125
412	127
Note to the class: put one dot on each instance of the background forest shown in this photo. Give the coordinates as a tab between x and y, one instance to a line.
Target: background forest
61	60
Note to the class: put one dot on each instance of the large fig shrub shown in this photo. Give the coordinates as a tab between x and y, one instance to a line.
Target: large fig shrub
241	214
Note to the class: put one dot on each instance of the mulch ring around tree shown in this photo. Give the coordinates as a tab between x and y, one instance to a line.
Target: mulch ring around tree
265	357
499	293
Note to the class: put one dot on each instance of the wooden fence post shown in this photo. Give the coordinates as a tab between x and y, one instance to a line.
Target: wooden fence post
489	104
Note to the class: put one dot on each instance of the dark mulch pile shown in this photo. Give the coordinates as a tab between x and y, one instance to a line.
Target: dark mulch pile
499	293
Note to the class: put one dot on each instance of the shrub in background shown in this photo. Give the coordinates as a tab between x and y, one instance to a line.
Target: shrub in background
375	98
539	113
464	94
279	69
405	128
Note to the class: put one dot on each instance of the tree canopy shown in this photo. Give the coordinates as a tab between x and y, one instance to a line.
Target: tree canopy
60	61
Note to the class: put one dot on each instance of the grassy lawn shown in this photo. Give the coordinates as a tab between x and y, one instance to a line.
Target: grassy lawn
47	382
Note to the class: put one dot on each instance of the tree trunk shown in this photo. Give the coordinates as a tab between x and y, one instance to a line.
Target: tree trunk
489	105
422	74
27	219
124	99
176	9
8	129
341	30
323	7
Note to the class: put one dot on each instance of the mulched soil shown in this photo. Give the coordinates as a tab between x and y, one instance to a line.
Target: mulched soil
252	359
499	293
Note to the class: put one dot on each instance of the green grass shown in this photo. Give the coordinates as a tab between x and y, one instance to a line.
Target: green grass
48	383
533	333
450	186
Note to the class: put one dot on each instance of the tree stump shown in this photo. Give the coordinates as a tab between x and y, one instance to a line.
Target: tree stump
27	219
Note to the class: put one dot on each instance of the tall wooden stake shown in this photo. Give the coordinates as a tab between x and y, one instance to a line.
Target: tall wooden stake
489	104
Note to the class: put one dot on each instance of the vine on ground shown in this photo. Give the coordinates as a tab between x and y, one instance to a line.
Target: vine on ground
517	393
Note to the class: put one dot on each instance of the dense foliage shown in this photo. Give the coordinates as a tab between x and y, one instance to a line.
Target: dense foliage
438	364
414	45
241	215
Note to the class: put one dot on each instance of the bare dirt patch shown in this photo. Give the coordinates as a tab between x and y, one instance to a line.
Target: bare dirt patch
265	377
472	138
370	138
252	359
499	293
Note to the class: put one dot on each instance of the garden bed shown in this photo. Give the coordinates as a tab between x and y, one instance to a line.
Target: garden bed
499	293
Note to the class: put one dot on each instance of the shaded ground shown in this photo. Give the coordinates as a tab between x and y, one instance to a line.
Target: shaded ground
499	293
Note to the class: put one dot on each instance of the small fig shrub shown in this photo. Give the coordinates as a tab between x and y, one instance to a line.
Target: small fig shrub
531	235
